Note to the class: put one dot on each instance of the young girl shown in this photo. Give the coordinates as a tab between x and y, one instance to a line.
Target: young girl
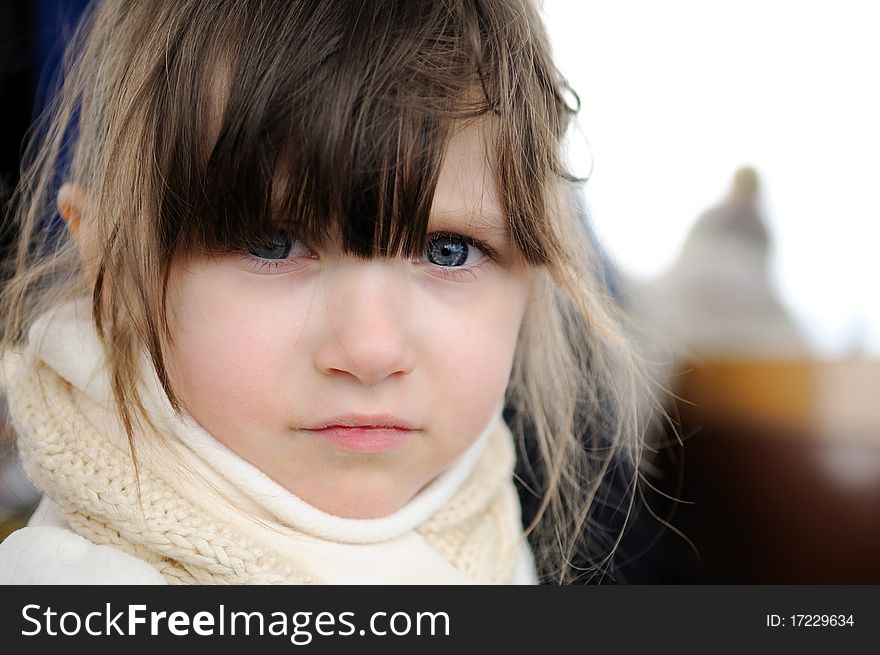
310	251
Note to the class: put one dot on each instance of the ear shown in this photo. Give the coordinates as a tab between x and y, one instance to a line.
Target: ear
73	206
71	203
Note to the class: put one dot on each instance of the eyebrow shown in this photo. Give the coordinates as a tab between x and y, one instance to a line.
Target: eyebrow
488	222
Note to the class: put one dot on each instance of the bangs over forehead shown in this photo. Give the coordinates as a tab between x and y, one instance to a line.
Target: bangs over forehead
319	118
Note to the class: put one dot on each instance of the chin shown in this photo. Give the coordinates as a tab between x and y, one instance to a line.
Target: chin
362	503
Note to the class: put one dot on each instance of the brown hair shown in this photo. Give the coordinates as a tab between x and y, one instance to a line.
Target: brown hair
177	116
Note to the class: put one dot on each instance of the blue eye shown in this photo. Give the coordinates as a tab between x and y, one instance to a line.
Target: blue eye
278	248
448	250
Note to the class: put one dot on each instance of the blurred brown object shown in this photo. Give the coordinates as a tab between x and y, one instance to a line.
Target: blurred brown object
770	392
782	464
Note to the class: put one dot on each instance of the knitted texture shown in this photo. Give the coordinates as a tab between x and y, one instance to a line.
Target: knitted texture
92	479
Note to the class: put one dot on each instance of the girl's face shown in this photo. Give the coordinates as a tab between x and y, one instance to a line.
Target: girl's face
351	382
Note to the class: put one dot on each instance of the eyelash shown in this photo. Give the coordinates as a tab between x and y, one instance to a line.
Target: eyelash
461	273
267	265
455	273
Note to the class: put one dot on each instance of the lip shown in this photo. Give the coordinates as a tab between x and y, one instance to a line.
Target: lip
362	421
361	433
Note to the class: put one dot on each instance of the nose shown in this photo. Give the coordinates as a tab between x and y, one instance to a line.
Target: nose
369	325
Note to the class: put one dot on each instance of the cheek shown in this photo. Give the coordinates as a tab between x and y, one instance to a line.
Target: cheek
471	356
218	371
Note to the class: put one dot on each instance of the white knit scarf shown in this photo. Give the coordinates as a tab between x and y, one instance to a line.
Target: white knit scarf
200	514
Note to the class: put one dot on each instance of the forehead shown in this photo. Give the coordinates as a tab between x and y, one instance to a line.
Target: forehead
466	187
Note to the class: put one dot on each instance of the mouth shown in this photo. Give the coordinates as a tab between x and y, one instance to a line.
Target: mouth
364	434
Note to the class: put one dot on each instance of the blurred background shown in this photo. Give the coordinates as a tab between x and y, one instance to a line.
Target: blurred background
733	156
